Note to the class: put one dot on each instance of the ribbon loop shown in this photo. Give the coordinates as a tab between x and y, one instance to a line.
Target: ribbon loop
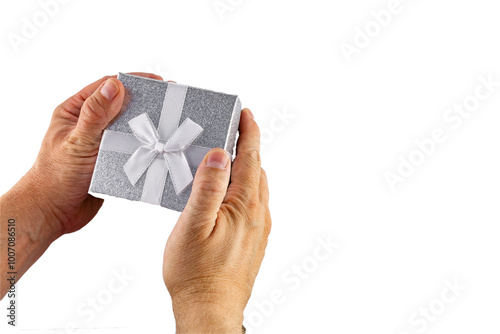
143	129
184	136
172	151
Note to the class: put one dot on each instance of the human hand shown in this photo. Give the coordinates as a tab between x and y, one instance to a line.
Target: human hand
216	248
64	166
52	198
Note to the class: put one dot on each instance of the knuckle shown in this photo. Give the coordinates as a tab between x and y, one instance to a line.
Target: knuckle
255	154
95	110
263	177
246	210
263	173
246	192
207	185
268	224
253	203
60	110
252	158
255	129
81	145
252	184
234	211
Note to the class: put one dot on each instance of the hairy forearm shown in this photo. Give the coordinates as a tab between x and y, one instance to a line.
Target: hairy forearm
26	230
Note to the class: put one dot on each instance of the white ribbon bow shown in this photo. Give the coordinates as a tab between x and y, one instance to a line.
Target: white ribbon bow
172	151
167	149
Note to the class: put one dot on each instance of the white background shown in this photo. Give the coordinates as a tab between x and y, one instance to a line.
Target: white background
347	125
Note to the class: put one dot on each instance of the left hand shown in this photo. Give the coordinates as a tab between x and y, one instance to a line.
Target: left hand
63	169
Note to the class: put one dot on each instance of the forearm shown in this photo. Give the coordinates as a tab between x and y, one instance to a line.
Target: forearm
26	230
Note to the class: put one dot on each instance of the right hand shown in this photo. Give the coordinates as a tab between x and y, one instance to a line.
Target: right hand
216	248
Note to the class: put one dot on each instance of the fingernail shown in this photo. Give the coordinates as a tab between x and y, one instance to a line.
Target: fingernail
109	90
218	159
249	112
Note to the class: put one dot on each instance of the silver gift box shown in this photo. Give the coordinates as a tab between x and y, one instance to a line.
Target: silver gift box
217	113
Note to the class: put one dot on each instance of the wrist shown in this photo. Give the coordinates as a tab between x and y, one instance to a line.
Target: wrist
207	317
31	195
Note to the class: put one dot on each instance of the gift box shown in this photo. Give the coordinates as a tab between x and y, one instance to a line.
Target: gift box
150	152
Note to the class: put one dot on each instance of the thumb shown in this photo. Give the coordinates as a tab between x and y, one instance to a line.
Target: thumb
209	185
98	110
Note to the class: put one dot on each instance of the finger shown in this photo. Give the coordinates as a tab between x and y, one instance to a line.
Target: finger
76	102
246	170
263	188
249	139
209	186
98	110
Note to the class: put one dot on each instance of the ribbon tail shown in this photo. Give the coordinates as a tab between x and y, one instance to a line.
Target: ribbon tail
179	169
139	163
155	182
